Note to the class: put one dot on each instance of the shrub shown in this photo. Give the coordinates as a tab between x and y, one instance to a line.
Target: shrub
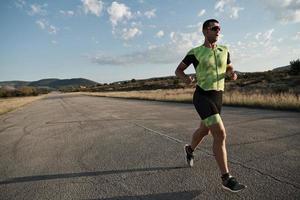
175	81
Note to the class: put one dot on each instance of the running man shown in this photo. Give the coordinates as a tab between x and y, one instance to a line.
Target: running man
212	63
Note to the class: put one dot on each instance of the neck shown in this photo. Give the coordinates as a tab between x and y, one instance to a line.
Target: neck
208	44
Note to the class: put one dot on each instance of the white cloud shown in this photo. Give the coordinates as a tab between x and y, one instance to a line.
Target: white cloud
198	25
160	34
54	42
235	12
220	5
92	6
201	13
261	49
67	12
130	33
118	12
150	13
44	25
228	7
171	52
20	3
286	11
297	36
52	29
264	38
36	9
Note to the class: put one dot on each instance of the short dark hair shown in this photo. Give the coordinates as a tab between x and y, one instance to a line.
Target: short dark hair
207	22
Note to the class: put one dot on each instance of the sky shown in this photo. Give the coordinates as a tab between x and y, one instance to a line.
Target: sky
108	41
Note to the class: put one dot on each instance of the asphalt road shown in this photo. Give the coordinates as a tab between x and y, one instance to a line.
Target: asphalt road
81	147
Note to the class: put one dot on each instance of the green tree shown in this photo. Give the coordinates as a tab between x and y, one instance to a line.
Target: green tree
295	67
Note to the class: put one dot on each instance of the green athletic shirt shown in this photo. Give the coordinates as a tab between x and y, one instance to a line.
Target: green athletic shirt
210	65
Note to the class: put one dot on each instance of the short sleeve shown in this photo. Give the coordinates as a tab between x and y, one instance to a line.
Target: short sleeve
190	58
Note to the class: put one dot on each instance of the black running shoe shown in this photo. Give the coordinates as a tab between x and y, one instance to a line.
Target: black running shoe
189	155
232	185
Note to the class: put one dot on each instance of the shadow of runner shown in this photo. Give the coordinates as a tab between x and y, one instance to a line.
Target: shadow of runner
186	195
83	174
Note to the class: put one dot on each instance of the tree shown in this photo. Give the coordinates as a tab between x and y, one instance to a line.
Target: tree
295	67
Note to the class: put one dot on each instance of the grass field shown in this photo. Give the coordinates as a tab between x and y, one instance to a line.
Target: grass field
281	101
9	104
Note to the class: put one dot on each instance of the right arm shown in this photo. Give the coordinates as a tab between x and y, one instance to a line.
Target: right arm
180	74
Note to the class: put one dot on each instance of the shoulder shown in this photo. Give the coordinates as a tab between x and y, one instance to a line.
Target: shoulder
194	50
223	48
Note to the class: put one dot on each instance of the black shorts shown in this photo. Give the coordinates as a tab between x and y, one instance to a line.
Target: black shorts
208	105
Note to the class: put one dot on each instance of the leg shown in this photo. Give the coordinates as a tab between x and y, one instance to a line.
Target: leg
198	135
219	146
219	149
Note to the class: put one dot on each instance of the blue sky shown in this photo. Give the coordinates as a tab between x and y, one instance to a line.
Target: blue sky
108	41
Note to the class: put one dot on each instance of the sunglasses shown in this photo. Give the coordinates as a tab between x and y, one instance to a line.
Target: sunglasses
214	28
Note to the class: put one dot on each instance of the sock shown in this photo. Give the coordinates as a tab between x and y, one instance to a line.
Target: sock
190	150
225	176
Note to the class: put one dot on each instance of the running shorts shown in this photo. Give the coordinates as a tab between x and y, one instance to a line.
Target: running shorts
208	105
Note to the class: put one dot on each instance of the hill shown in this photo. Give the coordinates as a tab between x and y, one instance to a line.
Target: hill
277	80
54	83
14	83
63	83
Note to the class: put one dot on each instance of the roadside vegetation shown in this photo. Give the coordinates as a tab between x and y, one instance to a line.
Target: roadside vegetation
275	89
281	101
23	91
9	104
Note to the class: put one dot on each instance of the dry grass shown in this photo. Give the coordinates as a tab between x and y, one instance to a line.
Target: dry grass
285	101
9	104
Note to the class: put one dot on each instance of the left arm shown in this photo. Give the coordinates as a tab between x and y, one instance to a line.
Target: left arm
230	73
229	69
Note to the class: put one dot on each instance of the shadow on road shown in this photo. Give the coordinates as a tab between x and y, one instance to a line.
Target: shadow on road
186	195
82	174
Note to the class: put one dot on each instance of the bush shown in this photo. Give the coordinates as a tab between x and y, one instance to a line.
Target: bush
175	81
295	67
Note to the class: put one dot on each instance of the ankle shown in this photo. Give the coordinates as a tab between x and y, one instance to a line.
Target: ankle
225	176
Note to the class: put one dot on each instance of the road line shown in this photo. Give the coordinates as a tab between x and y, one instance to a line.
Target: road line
161	134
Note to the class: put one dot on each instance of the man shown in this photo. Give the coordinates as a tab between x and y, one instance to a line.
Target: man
212	63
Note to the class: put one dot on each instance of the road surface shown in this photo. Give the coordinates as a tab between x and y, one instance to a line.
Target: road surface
81	147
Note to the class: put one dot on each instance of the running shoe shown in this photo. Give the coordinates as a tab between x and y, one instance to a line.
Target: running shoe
189	155
232	185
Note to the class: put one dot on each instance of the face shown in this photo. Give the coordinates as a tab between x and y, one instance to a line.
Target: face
212	32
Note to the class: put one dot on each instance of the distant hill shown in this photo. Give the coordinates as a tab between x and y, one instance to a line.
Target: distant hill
14	83
280	69
52	83
278	80
59	83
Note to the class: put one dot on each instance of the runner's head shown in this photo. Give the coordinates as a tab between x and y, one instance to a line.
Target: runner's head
211	30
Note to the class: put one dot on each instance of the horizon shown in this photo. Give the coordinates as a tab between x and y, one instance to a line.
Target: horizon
110	41
118	80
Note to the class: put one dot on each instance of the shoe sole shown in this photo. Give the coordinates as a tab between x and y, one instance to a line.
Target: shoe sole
191	164
234	191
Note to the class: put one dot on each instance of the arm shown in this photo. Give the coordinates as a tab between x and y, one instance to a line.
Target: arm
180	74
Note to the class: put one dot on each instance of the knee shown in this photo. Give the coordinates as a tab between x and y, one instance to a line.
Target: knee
220	136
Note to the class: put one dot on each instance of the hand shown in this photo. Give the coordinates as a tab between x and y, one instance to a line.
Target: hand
189	80
233	76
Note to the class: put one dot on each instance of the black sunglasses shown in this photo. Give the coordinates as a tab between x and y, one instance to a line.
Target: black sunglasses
215	28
